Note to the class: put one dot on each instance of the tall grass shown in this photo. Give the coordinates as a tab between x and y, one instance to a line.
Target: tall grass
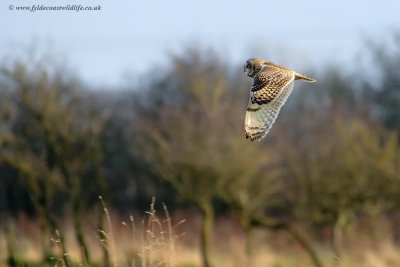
153	238
150	241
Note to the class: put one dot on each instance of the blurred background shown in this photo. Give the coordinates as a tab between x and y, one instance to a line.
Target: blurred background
122	141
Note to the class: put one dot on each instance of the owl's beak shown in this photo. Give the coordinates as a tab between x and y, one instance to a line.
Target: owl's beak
246	69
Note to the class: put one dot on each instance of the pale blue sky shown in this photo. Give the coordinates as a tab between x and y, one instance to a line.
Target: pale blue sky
128	37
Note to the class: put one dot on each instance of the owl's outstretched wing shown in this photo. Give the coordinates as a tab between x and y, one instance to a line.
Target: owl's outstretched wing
270	89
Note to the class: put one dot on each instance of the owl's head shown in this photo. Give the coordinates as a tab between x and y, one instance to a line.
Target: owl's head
252	66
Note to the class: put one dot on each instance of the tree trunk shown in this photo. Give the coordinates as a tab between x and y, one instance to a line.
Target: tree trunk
10	242
206	231
249	245
303	241
306	245
245	221
102	236
77	219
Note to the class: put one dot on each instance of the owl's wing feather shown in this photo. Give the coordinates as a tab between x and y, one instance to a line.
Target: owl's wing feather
270	89
268	84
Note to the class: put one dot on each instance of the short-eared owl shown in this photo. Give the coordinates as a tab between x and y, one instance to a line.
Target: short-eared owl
271	87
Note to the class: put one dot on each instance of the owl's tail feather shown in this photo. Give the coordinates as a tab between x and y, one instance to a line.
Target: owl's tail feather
299	76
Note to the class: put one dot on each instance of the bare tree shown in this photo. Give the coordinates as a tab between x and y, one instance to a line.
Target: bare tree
51	141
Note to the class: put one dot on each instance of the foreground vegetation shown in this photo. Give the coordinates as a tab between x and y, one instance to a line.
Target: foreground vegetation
155	239
328	173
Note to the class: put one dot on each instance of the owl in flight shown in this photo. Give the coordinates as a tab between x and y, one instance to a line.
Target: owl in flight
271	87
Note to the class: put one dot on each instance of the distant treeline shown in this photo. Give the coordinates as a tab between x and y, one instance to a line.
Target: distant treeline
333	154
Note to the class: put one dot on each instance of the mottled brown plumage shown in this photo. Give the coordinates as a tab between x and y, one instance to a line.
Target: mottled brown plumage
272	85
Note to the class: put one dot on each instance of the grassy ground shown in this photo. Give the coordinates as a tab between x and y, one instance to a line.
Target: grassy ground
156	239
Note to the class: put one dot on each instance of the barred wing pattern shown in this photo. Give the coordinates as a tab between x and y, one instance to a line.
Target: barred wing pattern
270	90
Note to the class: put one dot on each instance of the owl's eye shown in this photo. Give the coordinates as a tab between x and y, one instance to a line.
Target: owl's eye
248	66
